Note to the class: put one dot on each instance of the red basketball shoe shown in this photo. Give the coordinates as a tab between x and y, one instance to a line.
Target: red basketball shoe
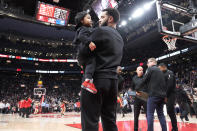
87	85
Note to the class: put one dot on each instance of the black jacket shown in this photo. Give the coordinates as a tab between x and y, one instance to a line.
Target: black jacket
170	82
136	81
155	80
82	41
109	51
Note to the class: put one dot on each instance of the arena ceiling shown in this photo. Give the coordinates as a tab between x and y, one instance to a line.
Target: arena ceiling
135	42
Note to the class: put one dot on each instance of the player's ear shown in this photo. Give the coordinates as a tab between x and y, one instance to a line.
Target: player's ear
111	19
82	21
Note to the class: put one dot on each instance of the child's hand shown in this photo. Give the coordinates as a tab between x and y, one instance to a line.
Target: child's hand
92	46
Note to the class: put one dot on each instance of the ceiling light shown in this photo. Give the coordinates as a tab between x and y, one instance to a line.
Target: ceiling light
123	23
139	12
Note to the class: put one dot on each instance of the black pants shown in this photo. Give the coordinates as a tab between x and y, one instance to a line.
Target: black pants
20	112
23	112
7	110
102	104
137	107
155	103
185	110
89	68
195	108
1	110
27	112
124	110
191	110
171	111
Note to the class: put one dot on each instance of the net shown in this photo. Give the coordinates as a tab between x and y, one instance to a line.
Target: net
39	95
170	42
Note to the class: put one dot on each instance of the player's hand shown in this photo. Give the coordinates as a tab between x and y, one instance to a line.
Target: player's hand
92	46
138	93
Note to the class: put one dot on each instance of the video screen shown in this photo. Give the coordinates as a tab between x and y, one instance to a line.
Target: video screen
99	5
52	14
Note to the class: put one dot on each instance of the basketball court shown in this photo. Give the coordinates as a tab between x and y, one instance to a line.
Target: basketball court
71	122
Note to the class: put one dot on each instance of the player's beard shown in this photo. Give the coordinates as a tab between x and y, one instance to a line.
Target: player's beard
105	23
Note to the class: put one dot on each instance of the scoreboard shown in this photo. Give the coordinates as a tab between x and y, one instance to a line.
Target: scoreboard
99	5
52	14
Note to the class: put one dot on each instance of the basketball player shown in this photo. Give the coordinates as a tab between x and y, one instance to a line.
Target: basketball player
23	108
13	109
28	102
138	103
171	94
63	108
20	107
155	80
108	55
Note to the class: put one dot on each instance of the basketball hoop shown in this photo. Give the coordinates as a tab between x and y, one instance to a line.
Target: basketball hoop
170	42
39	92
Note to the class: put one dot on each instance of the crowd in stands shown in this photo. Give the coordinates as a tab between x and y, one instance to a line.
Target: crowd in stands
59	88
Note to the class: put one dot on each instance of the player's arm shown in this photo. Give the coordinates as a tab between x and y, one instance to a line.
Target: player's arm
84	35
96	37
133	84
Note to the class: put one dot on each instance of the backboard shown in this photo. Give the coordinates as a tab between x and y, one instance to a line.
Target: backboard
39	91
176	21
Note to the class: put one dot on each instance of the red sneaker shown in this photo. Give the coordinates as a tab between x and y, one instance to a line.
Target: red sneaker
87	85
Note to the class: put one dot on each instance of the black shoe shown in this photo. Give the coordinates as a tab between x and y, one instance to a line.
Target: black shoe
181	118
174	129
186	118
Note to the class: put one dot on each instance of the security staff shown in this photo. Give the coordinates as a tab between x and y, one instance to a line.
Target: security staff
138	103
155	80
171	94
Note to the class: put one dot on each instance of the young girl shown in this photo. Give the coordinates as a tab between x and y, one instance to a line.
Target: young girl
85	54
36	107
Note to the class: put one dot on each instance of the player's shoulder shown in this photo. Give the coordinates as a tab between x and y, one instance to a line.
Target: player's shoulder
102	28
134	77
99	29
170	72
84	29
152	68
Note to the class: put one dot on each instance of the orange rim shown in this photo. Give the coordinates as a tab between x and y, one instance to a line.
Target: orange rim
170	39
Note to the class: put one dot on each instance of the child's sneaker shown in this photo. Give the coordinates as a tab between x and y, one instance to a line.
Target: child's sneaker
87	85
